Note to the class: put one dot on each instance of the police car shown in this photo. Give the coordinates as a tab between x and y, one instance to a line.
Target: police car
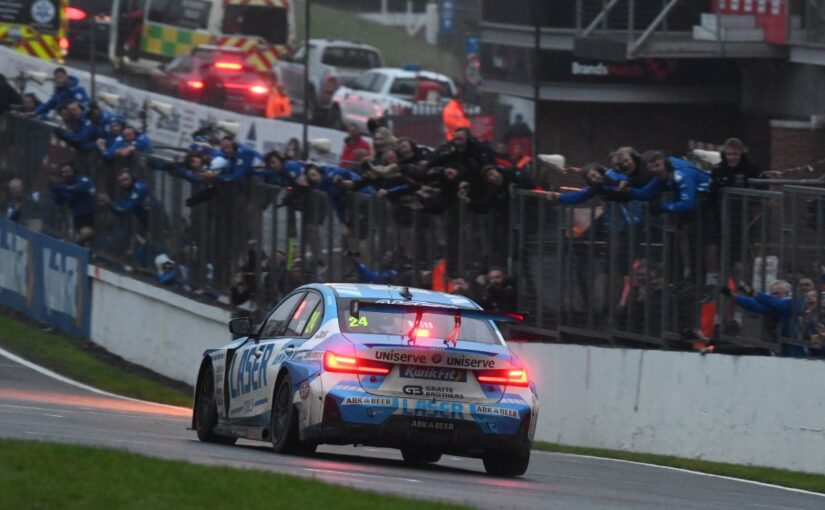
425	372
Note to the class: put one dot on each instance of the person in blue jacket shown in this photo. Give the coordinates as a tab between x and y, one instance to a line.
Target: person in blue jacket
781	310
335	182
129	143
241	159
81	132
676	175
135	203
66	89
279	172
607	184
78	191
386	275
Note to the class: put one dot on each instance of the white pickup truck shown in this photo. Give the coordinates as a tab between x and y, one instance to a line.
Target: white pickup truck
332	63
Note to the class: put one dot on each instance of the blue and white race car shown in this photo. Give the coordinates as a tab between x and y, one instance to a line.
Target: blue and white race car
425	372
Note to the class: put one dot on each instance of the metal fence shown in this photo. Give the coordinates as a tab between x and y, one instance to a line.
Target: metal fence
612	273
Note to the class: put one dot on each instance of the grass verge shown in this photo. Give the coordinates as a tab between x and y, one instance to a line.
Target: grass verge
793	479
87	363
397	47
43	475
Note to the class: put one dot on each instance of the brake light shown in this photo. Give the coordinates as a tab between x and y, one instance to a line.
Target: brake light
337	363
195	84
259	90
422	333
228	66
509	377
75	14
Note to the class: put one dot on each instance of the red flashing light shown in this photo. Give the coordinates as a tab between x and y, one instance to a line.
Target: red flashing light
195	84
259	90
509	377
337	363
228	66
75	14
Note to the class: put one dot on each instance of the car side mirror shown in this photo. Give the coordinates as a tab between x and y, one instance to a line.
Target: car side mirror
242	326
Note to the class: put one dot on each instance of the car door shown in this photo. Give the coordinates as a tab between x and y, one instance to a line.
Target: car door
353	107
248	381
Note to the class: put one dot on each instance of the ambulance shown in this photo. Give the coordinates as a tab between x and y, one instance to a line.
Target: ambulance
149	33
35	27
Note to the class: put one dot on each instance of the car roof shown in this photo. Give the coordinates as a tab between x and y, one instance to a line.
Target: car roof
343	43
395	72
392	292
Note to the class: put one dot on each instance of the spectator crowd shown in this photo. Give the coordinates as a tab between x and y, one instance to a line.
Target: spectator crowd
433	180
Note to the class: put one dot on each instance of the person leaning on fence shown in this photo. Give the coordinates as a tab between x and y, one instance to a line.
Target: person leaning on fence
128	145
780	310
242	159
494	193
66	89
675	175
383	141
135	203
629	162
78	192
354	143
80	133
498	294
30	103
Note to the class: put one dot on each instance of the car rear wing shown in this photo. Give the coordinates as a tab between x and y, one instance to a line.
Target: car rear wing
356	306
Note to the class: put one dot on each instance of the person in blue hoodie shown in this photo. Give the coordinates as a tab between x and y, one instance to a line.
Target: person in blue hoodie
675	175
66	89
279	172
129	143
781	311
336	182
78	191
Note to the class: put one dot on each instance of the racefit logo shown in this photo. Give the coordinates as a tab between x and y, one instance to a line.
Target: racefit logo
434	373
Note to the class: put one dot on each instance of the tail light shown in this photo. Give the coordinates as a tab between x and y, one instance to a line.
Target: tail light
509	377
337	363
63	44
228	66
259	90
194	84
75	14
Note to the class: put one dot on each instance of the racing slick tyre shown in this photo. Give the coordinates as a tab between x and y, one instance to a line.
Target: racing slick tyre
283	424
206	411
506	464
420	457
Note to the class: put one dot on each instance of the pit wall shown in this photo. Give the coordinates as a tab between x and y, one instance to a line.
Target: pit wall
739	409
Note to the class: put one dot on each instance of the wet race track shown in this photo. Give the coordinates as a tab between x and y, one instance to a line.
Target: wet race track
36	406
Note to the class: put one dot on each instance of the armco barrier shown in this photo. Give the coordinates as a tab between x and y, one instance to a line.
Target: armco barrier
45	278
154	327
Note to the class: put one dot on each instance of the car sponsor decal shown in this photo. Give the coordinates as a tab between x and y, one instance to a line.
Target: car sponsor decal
368	401
436	426
432	392
408	357
433	373
310	355
304	390
249	373
497	411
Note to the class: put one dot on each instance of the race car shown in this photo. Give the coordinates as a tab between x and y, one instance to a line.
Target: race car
425	372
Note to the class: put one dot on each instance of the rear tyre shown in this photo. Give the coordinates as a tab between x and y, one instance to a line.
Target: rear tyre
283	425
506	464
206	411
420	457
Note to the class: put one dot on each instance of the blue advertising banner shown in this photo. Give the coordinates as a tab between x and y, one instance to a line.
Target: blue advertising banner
45	278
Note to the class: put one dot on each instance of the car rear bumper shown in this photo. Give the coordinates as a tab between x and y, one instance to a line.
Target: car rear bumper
461	429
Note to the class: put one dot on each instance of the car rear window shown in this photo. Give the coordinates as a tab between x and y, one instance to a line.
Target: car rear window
355	58
431	325
409	87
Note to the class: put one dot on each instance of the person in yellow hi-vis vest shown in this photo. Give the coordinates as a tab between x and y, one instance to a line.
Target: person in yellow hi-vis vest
454	117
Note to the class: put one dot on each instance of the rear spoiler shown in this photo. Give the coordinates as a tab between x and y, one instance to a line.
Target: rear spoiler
356	306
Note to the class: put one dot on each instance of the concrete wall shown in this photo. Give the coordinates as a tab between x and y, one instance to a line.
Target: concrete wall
745	410
153	327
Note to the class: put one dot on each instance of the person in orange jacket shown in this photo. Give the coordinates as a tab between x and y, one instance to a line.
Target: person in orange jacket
454	117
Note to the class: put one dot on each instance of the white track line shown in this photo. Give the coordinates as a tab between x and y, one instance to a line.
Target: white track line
45	371
682	470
